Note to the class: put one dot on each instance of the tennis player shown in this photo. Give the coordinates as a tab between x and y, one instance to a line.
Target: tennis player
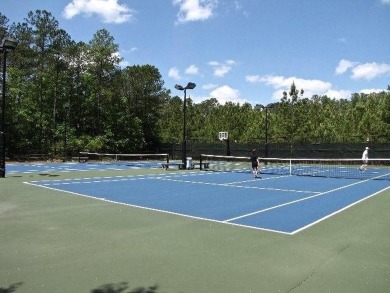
365	160
255	164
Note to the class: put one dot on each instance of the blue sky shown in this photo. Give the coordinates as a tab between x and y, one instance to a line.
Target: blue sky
239	50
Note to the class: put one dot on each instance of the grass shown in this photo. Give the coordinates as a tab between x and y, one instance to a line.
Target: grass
52	241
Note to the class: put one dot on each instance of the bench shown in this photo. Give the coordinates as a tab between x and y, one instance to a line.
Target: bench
36	157
80	159
180	166
201	165
165	166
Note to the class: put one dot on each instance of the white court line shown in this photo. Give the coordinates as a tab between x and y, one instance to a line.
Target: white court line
238	186
169	177
338	211
228	221
155	210
259	179
295	201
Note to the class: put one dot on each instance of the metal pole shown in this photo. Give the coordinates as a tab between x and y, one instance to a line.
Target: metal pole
66	108
3	92
266	132
3	144
65	146
184	153
6	44
190	86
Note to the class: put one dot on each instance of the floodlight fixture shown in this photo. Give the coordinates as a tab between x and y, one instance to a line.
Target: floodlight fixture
179	87
8	44
190	86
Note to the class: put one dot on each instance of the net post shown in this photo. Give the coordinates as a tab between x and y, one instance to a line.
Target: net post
2	157
228	147
200	162
290	167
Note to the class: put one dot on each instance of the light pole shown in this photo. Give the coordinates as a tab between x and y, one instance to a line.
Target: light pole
266	130
189	86
66	108
7	44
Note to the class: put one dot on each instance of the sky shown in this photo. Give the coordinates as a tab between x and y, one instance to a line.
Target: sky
239	50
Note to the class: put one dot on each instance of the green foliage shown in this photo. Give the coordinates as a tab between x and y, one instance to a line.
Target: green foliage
56	86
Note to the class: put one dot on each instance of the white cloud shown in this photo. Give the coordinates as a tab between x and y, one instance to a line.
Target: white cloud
174	73
344	65
131	50
230	62
197	99
192	69
109	10
227	94
370	71
209	86
279	82
239	8
310	86
124	63
221	69
338	94
366	71
369	91
194	10
342	40
386	2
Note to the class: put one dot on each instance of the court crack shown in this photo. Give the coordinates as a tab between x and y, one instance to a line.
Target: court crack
316	270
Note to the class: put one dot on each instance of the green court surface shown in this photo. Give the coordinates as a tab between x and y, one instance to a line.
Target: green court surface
52	241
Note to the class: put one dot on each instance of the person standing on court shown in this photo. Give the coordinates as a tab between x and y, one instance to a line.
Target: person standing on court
255	164
364	159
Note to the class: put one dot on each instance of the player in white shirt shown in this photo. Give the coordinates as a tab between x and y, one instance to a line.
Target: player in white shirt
365	160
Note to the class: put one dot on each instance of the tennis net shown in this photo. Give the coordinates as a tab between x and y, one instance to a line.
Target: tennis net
135	160
332	168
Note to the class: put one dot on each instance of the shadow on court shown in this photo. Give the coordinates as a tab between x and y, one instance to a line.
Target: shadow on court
123	287
11	288
107	288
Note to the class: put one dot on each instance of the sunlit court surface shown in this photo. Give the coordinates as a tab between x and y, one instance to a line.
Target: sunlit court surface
117	224
277	203
38	167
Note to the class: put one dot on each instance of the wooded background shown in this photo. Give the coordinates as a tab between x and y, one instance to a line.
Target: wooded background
65	96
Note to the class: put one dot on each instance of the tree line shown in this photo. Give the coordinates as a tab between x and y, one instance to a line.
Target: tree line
65	96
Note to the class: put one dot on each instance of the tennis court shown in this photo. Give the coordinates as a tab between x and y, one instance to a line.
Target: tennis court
98	162
117	227
29	168
284	204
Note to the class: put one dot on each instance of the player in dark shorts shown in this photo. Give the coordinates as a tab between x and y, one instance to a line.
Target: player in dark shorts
255	164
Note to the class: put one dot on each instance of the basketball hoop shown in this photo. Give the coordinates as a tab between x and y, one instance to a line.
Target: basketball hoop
223	135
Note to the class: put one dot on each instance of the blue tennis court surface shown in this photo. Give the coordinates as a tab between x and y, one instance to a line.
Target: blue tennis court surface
27	168
284	204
